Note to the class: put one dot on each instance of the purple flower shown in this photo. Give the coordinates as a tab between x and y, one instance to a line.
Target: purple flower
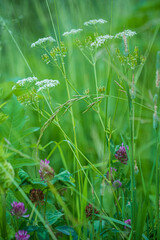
128	221
22	235
121	154
18	209
117	184
112	170
46	172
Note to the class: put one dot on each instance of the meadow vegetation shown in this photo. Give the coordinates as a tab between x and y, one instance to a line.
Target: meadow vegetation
79	119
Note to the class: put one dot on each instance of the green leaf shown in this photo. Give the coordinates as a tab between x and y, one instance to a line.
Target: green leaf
30	131
13	127
42	234
64	176
52	214
23	176
67	231
22	162
52	217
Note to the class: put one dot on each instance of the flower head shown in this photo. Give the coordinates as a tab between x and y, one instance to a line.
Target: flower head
22	235
45	84
18	209
121	154
72	32
36	196
117	184
95	21
89	211
126	33
101	40
128	221
24	82
46	172
42	41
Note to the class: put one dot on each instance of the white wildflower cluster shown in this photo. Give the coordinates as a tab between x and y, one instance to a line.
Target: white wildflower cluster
24	81
72	32
42	41
126	33
100	40
45	84
95	21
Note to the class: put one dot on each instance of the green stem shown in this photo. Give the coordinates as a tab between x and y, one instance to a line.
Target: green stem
31	215
45	205
96	81
4	222
131	110
157	188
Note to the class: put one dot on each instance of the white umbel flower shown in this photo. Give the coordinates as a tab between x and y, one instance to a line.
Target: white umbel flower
72	32
46	83
126	33
95	21
101	40
42	41
24	81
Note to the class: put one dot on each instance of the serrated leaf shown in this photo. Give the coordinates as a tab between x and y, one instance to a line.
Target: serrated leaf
23	175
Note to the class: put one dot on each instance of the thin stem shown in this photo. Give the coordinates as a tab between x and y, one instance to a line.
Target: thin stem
131	110
95	76
46	205
4	222
14	40
157	186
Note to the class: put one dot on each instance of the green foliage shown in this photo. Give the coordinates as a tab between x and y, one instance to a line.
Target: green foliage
105	97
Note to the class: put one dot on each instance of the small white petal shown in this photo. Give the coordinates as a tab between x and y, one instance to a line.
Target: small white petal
126	33
46	83
72	32
24	81
101	40
95	21
42	40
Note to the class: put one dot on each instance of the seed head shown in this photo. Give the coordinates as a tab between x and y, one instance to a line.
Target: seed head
89	211
158	78
36	196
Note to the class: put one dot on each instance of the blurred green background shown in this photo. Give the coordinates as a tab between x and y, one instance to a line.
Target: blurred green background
29	20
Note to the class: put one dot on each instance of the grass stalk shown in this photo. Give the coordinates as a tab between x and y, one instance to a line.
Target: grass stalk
157	187
3	214
133	188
